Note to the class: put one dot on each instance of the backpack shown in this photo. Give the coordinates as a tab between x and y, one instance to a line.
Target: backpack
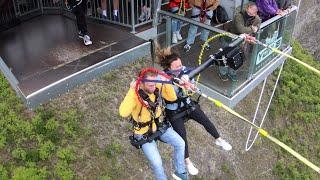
220	15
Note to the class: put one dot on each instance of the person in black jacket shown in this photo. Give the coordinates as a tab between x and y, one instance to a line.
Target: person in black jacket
78	8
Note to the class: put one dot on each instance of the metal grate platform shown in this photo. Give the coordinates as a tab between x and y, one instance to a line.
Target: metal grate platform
43	57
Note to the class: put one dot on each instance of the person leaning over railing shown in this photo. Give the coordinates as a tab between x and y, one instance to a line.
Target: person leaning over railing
145	11
268	9
284	4
177	7
146	124
202	11
178	111
245	22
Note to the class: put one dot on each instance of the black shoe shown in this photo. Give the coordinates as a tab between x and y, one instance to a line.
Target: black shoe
116	18
81	35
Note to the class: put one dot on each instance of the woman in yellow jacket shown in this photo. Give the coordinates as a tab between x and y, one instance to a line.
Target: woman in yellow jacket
144	121
202	11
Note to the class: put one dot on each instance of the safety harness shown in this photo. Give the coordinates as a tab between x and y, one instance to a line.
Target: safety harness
184	108
152	108
182	8
203	11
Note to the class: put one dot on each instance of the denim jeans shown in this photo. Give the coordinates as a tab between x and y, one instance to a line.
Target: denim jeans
193	29
151	152
175	24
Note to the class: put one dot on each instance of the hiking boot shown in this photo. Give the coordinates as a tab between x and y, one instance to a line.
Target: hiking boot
177	176
174	38
179	37
224	144
86	40
223	77
187	48
191	169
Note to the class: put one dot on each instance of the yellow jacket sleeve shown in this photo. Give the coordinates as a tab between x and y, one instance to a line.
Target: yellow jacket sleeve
168	92
128	104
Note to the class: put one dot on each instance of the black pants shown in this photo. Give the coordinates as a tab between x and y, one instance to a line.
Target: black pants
80	13
197	115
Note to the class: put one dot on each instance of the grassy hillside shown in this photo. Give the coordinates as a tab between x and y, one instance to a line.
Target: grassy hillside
296	114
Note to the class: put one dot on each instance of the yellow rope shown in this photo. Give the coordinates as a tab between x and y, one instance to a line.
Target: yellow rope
261	131
295	59
202	51
264	133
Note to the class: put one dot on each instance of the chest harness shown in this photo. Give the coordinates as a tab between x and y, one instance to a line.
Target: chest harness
185	108
203	11
152	107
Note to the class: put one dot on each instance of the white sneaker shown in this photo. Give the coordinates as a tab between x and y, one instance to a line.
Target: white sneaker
174	38
179	37
148	13
224	144
142	16
86	40
191	169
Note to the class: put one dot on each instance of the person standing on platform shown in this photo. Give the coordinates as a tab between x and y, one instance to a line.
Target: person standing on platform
78	8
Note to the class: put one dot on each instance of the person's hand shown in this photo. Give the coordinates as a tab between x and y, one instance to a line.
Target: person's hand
281	12
254	28
250	39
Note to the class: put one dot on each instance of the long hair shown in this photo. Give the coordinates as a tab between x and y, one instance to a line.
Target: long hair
166	56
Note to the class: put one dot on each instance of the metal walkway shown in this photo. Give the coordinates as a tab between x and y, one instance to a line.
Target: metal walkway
43	57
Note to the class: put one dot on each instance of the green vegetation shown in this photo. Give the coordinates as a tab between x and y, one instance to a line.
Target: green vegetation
296	114
57	141
39	145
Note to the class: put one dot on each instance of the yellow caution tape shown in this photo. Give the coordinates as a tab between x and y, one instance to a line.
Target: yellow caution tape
264	133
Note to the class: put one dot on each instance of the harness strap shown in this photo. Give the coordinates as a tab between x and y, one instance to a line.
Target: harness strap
149	137
174	115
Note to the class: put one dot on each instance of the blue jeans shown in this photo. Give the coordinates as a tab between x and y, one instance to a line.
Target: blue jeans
151	152
175	24
193	29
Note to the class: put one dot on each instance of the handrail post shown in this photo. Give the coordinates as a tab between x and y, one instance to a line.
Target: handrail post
132	17
168	31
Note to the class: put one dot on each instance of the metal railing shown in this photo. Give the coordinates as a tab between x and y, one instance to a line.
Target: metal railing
127	13
7	14
278	30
